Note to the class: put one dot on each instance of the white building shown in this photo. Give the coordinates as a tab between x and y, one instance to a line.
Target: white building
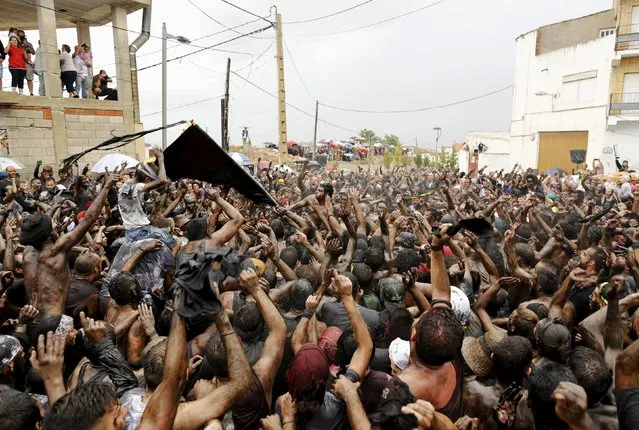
577	88
484	148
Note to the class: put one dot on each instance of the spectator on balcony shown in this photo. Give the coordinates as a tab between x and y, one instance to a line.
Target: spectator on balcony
68	72
81	83
17	64
28	52
100	86
87	57
38	70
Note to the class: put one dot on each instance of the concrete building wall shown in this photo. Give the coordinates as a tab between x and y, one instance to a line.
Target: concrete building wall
49	129
624	11
626	65
496	153
573	87
575	31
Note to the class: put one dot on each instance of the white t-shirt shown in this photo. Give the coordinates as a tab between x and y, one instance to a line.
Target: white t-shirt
131	205
66	62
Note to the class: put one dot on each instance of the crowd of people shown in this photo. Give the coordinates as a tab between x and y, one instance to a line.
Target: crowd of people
25	62
394	299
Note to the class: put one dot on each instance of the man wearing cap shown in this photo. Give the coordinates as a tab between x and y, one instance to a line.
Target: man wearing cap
10	352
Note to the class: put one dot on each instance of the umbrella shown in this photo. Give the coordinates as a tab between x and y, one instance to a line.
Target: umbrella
555	171
241	159
291	143
111	162
8	162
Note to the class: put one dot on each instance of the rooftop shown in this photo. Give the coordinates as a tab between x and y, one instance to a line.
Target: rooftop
23	13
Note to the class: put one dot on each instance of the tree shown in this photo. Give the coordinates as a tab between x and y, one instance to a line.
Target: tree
419	161
398	155
368	135
446	159
391	140
387	160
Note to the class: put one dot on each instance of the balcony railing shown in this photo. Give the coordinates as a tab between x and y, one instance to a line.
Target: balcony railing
627	37
627	103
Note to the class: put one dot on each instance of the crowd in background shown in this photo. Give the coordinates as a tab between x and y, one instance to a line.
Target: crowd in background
401	298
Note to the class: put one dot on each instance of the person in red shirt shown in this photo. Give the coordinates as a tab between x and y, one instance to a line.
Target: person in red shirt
17	64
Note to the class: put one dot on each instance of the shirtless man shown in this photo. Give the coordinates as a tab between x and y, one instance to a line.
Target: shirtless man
46	267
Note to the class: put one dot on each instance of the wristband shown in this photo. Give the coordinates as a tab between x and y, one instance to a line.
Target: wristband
227	333
307	314
441	301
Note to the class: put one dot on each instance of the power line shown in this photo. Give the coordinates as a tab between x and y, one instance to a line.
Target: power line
373	24
329	15
247	11
183	106
258	57
218	22
293	106
419	109
297	71
206	48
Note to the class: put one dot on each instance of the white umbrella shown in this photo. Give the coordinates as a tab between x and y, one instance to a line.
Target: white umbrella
8	162
111	162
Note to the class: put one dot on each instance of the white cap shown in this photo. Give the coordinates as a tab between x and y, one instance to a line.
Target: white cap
399	352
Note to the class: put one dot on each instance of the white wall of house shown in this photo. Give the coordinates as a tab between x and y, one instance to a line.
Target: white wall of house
496	154
577	81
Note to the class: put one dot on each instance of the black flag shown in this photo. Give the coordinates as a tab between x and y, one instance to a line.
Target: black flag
195	155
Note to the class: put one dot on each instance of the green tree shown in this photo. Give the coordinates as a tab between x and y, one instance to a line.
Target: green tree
391	139
419	161
369	136
407	160
446	159
398	155
387	160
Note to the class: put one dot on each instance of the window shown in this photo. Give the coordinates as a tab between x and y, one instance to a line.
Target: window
579	87
606	32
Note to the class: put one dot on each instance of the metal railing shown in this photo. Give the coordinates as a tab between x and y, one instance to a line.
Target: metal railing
624	102
627	29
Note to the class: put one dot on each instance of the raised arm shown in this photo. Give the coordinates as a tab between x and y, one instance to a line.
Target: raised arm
226	233
361	358
271	356
69	240
162	408
161	179
483	301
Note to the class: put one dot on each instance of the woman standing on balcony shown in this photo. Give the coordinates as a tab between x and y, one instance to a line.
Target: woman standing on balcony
17	64
68	73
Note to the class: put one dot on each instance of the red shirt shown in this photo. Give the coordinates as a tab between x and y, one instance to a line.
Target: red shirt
16	58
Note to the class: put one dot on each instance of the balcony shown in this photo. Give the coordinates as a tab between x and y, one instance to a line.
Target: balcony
624	108
627	41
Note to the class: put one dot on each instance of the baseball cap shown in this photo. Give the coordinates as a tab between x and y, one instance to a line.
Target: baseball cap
399	353
391	292
460	304
406	239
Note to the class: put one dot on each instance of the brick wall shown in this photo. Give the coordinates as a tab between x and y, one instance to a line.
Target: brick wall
30	135
90	127
625	12
627	65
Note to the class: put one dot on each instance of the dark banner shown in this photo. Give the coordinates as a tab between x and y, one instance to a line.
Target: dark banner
195	155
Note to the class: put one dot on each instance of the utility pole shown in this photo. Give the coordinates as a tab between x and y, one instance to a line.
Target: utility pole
281	90
225	109
164	96
315	133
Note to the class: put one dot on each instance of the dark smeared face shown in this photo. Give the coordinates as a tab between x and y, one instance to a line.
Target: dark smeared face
320	194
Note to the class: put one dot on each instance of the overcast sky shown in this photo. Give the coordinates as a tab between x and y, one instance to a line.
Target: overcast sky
452	51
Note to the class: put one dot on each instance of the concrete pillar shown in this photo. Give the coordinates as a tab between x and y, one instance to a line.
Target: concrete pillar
122	63
83	32
49	48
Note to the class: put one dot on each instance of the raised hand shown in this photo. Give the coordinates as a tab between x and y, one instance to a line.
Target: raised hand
345	387
505	411
424	412
49	358
334	248
151	245
249	280
571	404
95	331
342	284
146	319
313	301
28	314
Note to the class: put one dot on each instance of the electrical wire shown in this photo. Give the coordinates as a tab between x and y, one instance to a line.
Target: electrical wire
419	109
218	22
182	106
293	106
247	11
290	56
329	15
258	57
205	49
373	24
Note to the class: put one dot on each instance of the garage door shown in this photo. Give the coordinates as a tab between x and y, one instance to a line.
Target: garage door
554	149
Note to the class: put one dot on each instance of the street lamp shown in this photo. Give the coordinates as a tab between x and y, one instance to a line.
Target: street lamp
437	130
165	37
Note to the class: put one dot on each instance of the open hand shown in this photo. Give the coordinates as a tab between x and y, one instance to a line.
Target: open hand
49	358
94	330
146	319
